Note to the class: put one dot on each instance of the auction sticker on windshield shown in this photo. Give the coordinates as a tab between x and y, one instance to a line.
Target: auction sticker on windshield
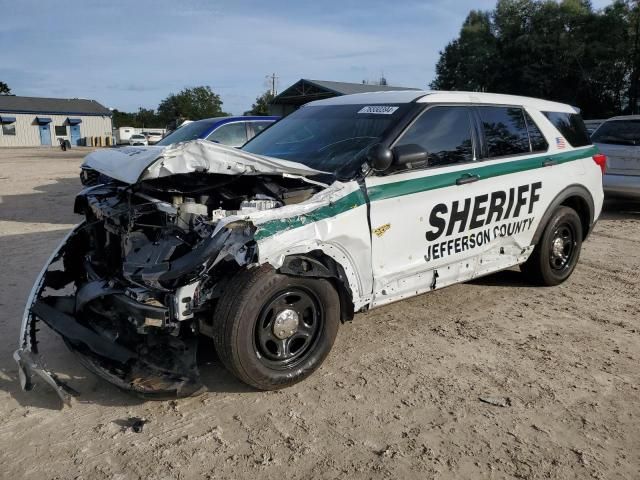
379	109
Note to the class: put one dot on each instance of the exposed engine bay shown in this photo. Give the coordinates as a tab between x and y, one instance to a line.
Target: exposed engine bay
136	283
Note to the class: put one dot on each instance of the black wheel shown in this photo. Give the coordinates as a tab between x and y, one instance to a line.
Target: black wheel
556	254
272	330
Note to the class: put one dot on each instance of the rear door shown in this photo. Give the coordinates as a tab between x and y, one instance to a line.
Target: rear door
619	140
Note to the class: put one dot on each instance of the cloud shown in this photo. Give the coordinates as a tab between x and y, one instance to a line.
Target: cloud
129	56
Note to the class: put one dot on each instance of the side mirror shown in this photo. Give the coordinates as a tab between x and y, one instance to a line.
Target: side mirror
379	157
411	155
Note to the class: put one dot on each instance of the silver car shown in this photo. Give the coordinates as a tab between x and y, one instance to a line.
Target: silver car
619	139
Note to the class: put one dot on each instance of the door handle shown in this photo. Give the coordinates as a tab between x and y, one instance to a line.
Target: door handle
549	162
467	178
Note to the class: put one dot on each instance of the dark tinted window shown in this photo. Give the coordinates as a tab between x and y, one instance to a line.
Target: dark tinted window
618	132
571	126
445	133
505	130
60	130
538	142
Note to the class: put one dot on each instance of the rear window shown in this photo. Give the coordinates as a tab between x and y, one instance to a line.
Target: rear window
571	126
618	132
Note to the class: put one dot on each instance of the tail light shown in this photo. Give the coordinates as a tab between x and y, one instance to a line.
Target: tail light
601	161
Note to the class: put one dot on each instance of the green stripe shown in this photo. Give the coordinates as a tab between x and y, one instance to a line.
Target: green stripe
415	185
433	182
352	200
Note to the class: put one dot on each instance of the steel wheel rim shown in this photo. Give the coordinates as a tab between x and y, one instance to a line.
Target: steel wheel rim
285	353
563	247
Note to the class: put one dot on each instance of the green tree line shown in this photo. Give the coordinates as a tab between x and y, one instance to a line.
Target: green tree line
564	51
190	103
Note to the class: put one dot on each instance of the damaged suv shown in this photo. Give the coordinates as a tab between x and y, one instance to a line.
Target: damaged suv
347	204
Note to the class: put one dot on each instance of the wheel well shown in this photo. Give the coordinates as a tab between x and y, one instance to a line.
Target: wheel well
580	205
576	197
319	265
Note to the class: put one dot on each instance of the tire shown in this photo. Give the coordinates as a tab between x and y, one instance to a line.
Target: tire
254	314
551	266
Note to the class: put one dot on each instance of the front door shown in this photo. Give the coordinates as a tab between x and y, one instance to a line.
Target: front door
75	134
405	205
458	215
45	134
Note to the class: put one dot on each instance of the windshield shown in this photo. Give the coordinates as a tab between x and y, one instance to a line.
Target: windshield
618	132
190	131
329	138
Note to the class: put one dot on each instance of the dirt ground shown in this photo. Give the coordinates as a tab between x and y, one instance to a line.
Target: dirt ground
397	398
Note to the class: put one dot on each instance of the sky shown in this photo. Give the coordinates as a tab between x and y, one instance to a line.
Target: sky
128	55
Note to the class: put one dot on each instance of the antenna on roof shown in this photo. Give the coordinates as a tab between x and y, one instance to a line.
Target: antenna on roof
273	79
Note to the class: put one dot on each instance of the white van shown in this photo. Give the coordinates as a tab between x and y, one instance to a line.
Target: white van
345	205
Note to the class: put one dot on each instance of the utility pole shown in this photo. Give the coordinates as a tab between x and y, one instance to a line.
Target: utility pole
272	80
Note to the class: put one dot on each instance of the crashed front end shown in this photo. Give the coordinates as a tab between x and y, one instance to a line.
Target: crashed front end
131	288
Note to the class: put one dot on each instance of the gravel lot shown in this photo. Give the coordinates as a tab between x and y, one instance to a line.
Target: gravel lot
398	397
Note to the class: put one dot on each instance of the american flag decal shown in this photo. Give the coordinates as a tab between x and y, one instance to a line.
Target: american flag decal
560	143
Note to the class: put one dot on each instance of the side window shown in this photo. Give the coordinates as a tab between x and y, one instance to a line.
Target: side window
571	126
259	126
505	131
61	130
232	134
538	142
445	133
8	128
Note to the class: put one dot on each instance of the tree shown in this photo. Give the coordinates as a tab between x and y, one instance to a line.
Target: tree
144	118
261	105
4	89
191	103
563	51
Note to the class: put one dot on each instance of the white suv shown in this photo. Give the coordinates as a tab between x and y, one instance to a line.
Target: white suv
345	205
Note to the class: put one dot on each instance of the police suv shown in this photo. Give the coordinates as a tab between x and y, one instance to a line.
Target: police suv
345	205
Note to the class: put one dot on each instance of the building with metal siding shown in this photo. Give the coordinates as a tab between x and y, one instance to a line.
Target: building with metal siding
304	91
34	121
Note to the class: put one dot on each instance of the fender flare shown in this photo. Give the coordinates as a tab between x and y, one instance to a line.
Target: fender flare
575	190
323	260
317	264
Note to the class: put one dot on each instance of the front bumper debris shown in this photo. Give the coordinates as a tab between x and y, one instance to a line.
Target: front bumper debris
163	366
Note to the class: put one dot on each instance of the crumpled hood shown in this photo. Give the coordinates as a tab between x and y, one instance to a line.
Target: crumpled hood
131	164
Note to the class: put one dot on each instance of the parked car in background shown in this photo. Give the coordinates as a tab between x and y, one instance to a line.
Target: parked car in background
152	137
619	139
592	125
139	140
232	131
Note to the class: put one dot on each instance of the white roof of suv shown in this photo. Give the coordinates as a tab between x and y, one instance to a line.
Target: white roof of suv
432	96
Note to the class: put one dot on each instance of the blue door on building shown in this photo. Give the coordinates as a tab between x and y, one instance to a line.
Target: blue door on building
45	134
75	134
74	123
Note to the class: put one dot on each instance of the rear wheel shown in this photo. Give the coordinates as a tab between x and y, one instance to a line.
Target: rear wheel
272	330
556	254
